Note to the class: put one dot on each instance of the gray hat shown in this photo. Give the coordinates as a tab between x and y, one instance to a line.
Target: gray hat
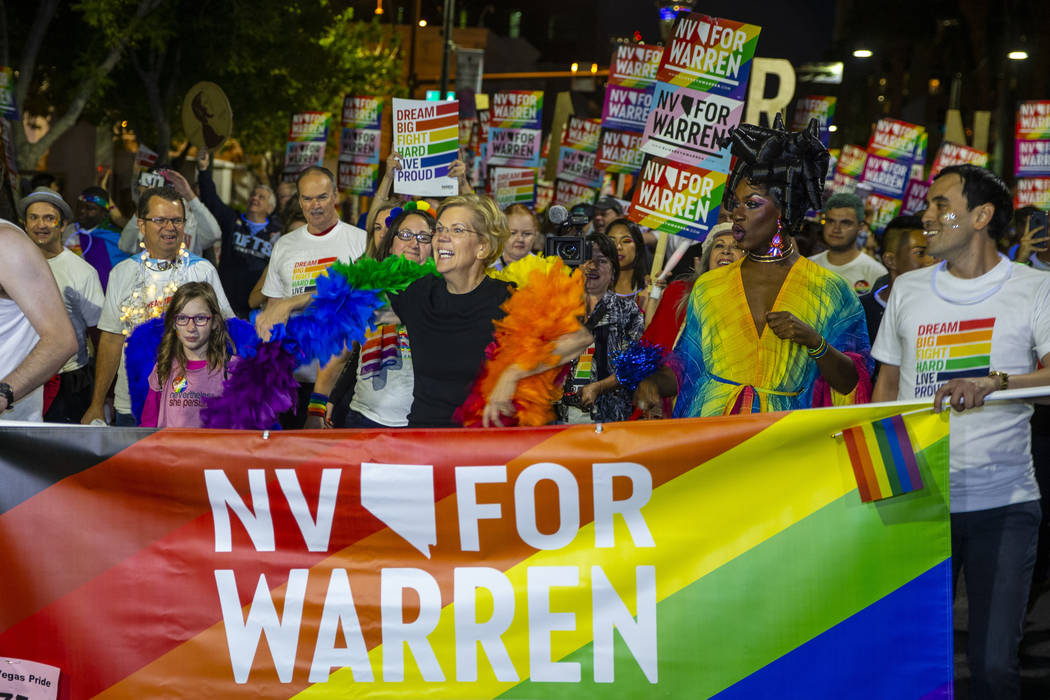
609	203
45	194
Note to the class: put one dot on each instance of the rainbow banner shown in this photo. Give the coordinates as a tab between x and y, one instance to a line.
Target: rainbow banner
709	54
309	126
514	186
886	176
677	198
517	147
635	65
582	134
426	134
883	458
307	136
1031	158
521	109
708	558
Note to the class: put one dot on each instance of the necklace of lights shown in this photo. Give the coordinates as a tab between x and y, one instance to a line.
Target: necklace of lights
149	296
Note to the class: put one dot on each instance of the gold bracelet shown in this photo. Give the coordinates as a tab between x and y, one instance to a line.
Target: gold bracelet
1003	377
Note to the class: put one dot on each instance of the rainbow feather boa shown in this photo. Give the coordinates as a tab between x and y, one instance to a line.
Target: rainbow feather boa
527	337
261	387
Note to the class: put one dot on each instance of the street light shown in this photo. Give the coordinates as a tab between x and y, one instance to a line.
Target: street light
1017	55
862	53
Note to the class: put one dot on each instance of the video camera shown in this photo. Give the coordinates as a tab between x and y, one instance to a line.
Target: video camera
569	244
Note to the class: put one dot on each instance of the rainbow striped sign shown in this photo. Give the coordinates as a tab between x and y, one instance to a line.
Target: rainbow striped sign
709	54
883	459
358	178
705	558
884	209
514	186
1033	120
426	134
851	161
677	198
635	65
1033	192
896	140
619	152
521	109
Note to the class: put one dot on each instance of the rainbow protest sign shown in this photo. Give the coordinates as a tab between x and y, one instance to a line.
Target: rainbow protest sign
685	126
709	54
677	198
915	196
362	112
851	161
635	65
626	108
1033	120
582	134
306	142
620	152
1033	192
514	186
357	178
727	557
579	166
1031	158
518	108
885	175
426	134
819	107
359	145
884	210
895	140
954	154
517	147
569	194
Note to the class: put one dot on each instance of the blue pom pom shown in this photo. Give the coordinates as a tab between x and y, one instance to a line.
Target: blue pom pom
140	355
637	362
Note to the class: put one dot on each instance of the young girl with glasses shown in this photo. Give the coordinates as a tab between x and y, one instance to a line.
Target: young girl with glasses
192	359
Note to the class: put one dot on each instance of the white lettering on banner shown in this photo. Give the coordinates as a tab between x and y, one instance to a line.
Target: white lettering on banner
610	613
258	524
605	508
339	612
568	505
470	511
315	532
397	632
242	634
401	496
538	582
489	634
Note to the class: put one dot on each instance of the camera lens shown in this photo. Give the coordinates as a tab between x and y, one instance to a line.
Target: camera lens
569	251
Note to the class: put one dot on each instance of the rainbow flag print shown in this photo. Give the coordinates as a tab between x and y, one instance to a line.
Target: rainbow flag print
883	459
724	558
950	350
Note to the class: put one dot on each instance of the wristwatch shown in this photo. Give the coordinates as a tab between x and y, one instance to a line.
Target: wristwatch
9	396
1003	377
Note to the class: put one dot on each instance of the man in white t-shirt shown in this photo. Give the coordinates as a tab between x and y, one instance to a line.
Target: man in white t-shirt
959	330
140	289
843	217
299	257
78	283
35	334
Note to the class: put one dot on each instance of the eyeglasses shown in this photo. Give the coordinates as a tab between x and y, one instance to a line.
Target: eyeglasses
456	230
49	219
198	320
406	235
164	221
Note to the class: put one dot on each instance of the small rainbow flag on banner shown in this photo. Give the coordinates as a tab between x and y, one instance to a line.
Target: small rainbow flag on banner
883	459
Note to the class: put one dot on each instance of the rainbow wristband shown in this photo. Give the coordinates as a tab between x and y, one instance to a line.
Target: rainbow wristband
819	351
318	405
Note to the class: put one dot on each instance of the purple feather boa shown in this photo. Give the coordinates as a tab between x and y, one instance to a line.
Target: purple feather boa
257	390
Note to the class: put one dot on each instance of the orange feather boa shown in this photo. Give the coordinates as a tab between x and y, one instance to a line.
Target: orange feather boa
547	305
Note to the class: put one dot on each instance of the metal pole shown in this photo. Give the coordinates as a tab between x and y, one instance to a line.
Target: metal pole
412	80
450	10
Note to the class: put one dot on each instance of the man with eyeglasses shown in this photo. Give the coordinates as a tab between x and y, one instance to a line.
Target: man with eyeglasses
45	214
140	289
299	257
35	334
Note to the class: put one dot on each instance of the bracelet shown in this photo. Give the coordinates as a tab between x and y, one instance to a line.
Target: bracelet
819	351
1003	377
8	394
318	405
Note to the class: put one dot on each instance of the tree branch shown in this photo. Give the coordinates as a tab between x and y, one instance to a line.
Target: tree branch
45	12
